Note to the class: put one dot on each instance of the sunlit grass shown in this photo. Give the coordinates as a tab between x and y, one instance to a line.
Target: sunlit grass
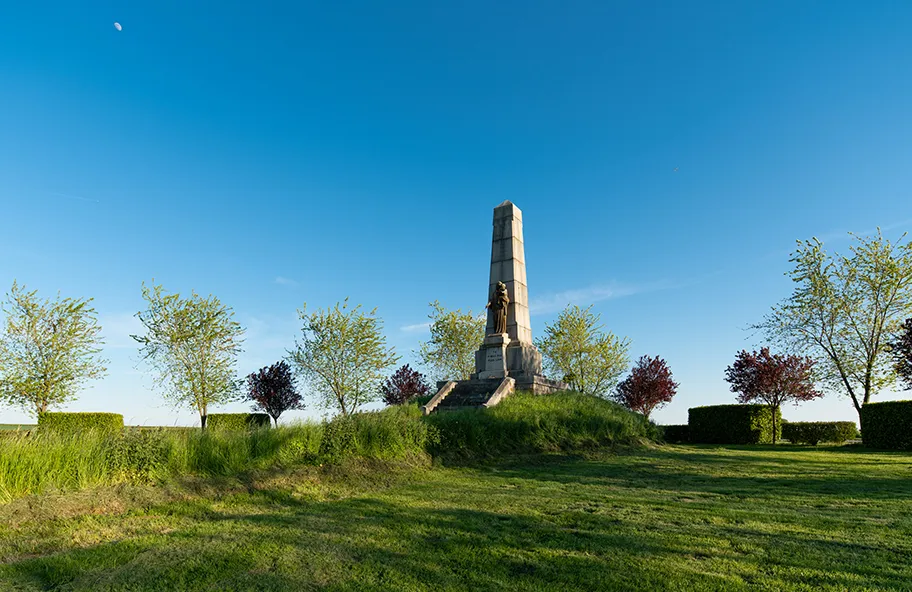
663	518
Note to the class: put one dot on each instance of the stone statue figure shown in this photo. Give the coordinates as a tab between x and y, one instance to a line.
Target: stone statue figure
498	305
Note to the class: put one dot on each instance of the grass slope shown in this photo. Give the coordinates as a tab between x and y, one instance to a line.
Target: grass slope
49	461
669	518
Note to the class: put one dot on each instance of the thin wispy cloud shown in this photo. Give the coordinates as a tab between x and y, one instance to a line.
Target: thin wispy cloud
415	328
284	281
557	301
903	225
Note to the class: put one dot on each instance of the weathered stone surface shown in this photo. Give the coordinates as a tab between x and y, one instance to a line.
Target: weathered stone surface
508	265
540	385
474	393
495	362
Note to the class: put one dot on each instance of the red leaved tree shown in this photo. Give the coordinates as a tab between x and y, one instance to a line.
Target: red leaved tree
404	385
273	391
648	387
901	350
772	379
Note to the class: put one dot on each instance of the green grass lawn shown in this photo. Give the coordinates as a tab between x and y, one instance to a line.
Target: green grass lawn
669	518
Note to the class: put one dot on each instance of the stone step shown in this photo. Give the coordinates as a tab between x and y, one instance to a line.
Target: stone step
447	409
465	399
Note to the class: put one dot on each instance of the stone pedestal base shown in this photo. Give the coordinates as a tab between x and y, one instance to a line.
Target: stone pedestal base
491	359
539	385
498	357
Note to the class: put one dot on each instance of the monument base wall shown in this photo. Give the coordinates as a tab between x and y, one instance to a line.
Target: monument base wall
538	385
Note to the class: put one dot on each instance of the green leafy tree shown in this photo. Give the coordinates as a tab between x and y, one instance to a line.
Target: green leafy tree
450	352
192	345
48	349
578	348
844	310
901	352
343	356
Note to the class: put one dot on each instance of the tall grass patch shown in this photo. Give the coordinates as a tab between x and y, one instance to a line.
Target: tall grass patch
49	461
394	433
527	423
53	460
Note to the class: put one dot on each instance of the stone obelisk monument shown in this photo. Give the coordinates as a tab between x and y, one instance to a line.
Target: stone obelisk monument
507	350
507	359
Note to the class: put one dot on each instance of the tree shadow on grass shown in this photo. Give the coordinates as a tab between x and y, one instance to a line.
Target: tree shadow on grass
739	474
268	540
356	544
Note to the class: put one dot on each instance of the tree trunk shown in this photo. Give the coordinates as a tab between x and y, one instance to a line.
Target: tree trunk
774	410
203	420
856	405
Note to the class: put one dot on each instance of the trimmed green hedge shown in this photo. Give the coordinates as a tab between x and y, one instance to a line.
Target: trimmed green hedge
887	425
814	432
237	422
79	422
732	424
674	434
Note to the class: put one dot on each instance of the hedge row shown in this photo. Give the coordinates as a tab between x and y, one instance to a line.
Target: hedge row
79	422
814	432
675	434
237	422
887	425
732	424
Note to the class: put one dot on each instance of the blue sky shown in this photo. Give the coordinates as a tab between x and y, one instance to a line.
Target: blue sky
277	153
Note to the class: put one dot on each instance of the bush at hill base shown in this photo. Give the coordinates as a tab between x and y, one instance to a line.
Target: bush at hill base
814	432
732	424
887	425
676	434
79	422
396	432
236	422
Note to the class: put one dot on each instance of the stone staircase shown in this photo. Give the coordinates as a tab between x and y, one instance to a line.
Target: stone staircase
469	394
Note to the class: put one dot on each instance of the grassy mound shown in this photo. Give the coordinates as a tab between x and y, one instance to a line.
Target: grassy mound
526	423
42	462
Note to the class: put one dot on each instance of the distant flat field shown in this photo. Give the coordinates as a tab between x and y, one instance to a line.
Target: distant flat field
675	518
16	426
25	426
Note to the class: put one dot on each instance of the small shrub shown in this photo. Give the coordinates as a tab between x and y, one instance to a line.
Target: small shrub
70	423
404	385
272	389
301	443
237	422
731	424
137	455
675	434
814	432
338	438
887	425
394	433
